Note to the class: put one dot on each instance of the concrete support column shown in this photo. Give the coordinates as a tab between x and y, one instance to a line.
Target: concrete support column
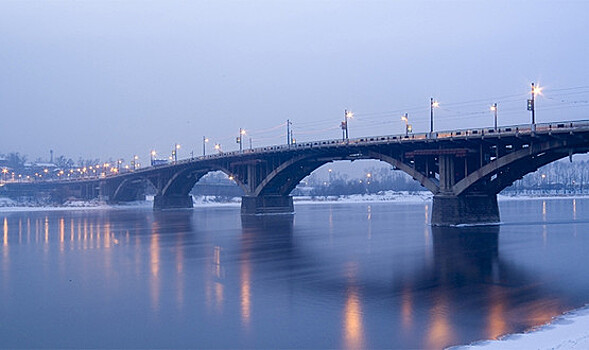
172	202
450	210
446	163
268	204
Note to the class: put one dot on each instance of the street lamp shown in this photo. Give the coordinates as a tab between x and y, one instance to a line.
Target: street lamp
408	126
344	125
134	162
153	153
175	152
218	148
4	172
239	139
532	104
204	145
494	109
433	104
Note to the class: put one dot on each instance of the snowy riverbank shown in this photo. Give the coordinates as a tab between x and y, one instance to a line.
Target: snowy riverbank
404	197
569	331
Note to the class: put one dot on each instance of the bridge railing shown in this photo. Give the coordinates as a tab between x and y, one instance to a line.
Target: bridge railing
512	130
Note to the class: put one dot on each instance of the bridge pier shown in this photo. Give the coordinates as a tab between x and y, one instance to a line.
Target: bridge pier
451	210
172	202
273	204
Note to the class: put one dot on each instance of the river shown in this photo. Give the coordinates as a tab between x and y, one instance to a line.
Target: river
343	275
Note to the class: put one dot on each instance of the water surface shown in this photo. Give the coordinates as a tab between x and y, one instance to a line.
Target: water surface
333	276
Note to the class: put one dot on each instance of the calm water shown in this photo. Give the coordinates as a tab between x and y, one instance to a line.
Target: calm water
334	276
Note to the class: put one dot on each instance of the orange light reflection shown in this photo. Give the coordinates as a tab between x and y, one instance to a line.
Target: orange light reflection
5	237
440	331
245	293
353	326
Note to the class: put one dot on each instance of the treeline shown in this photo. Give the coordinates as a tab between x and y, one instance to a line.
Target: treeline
562	177
374	180
557	177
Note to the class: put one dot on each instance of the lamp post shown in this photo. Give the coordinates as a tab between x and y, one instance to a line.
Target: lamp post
218	148
532	104
153	153
347	115
204	145
288	136
408	127
175	152
494	110
433	104
239	139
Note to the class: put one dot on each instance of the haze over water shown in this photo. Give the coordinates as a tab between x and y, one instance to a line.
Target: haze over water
333	276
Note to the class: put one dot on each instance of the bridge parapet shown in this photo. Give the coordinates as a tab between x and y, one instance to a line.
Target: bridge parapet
464	169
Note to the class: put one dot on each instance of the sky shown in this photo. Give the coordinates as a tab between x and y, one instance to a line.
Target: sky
113	79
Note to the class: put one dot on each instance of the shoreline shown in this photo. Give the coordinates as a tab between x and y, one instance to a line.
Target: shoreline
401	197
569	330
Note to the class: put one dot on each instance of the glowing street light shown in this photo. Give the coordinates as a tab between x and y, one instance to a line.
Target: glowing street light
408	126
536	90
134	162
494	110
153	154
204	145
433	104
175	152
4	172
218	148
344	124
239	139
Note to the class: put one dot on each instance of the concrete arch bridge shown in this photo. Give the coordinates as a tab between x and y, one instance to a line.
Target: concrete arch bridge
464	169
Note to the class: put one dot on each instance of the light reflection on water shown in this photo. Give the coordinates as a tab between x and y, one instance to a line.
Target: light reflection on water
338	276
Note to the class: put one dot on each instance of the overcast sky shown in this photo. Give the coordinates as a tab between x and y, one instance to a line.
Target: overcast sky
99	79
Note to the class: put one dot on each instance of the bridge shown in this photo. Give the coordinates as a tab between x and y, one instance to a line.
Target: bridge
464	169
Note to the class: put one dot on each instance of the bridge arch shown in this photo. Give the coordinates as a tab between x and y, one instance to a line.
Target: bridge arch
128	189
502	172
182	182
285	177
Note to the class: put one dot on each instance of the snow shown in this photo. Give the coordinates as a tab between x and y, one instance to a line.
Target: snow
404	197
569	331
384	196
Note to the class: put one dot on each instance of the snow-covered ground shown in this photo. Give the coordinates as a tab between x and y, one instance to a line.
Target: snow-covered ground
7	204
569	331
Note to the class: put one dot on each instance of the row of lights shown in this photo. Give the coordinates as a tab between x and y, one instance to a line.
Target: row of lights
100	169
349	115
536	90
344	126
205	140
